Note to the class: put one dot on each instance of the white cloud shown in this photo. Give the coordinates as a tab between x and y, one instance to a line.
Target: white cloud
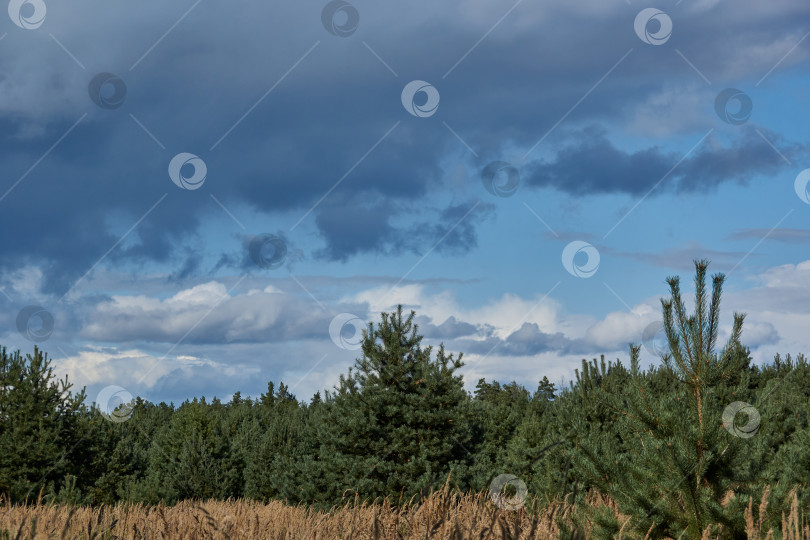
616	330
505	314
243	327
769	327
215	316
787	276
140	373
110	365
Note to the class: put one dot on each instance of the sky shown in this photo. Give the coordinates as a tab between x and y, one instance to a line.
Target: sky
200	197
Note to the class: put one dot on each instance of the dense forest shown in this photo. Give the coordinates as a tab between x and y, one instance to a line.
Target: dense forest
690	441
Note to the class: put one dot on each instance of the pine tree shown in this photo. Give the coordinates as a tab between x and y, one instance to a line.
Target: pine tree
274	397
497	411
42	428
535	452
545	390
398	422
782	455
674	461
190	456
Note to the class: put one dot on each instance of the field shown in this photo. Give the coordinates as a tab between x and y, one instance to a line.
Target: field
442	515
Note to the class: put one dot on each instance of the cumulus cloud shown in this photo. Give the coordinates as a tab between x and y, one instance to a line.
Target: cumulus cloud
241	339
150	376
450	329
528	340
205	313
620	328
125	367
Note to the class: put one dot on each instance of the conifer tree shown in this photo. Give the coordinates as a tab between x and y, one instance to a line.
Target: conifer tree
545	390
398	422
782	455
42	427
673	462
497	411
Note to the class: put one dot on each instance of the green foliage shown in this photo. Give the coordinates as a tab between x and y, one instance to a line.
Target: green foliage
399	422
496	411
671	460
399	419
42	428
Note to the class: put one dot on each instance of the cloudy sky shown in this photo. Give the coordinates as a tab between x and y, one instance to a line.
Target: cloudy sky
198	197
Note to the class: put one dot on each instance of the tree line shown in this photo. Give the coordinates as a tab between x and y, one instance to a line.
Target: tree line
689	442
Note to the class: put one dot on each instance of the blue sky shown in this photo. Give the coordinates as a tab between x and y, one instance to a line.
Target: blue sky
622	131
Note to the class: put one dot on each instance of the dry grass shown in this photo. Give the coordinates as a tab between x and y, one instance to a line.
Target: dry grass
794	526
442	515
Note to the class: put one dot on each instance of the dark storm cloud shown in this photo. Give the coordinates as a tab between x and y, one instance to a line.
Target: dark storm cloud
358	228
351	229
590	163
325	121
454	231
746	158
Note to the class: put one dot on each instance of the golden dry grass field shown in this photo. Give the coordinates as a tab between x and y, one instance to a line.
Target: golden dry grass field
441	516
